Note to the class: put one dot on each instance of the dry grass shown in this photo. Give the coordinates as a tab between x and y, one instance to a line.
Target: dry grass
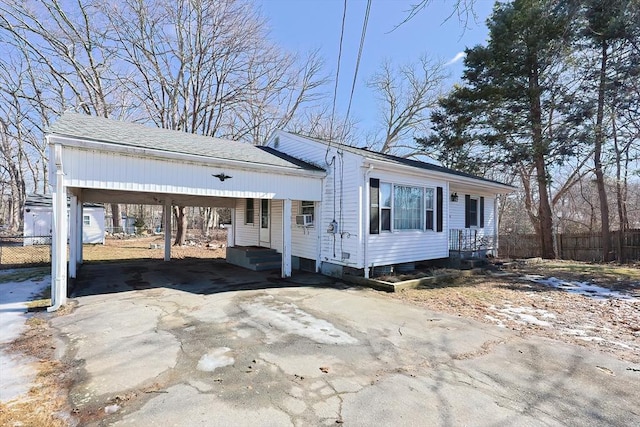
144	248
46	403
611	326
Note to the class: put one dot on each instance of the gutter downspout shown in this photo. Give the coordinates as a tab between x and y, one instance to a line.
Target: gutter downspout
59	250
366	215
496	225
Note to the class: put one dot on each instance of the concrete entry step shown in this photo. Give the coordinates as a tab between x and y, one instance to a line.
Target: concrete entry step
254	258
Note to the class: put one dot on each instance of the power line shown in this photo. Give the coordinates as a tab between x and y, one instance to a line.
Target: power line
335	88
355	74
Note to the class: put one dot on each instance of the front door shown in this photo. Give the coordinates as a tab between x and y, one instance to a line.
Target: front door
265	224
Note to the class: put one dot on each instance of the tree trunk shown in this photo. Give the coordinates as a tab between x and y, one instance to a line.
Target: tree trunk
545	219
181	225
115	217
544	212
597	160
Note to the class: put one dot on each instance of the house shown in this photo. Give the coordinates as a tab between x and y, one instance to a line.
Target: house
377	211
311	204
38	211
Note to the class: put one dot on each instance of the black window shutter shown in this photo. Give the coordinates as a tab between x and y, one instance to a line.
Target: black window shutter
467	218
374	206
481	212
439	219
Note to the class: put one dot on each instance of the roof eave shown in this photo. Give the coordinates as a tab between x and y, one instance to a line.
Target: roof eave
495	186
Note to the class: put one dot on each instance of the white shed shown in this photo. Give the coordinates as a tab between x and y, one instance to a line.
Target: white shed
38	214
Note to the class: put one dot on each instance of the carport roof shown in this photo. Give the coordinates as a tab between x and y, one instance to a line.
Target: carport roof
98	129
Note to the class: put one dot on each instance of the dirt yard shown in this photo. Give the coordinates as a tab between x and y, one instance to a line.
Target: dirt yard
523	299
152	247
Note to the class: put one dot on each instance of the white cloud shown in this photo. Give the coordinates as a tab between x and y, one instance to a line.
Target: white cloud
459	56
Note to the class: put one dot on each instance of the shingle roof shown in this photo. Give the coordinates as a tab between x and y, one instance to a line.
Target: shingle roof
99	129
403	161
45	201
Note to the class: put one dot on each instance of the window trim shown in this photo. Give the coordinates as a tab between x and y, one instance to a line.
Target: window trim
86	220
389	208
433	209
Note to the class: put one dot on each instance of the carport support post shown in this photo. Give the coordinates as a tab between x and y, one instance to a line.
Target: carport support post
79	239
167	231
73	236
286	238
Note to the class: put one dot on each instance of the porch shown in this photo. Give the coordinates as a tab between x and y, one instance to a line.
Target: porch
471	243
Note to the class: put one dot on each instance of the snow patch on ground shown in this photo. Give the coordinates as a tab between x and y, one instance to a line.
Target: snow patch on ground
268	313
525	315
214	359
580	288
17	374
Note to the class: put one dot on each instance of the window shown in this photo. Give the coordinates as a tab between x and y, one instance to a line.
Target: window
86	220
385	206
474	211
249	211
408	205
428	205
308	208
404	207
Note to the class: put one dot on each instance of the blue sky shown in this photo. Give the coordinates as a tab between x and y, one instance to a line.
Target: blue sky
304	25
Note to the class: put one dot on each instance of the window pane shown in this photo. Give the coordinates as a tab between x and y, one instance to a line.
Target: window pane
408	207
264	214
385	195
473	212
429	225
307	207
248	211
428	200
385	218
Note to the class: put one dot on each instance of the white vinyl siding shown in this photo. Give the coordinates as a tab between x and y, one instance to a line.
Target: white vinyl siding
457	210
304	240
276	224
400	246
118	171
246	234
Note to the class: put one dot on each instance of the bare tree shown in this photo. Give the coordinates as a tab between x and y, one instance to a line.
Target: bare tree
405	94
207	67
317	124
462	9
63	43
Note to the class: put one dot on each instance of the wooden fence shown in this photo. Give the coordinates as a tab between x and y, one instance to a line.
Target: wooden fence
574	246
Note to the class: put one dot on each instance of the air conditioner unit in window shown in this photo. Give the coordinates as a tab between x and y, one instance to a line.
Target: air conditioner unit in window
304	220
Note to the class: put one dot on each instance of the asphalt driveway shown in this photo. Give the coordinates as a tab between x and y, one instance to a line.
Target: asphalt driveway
191	343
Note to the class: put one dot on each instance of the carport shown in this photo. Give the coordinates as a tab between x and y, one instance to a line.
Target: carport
98	160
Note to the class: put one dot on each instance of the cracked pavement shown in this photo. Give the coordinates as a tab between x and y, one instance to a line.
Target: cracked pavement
191	343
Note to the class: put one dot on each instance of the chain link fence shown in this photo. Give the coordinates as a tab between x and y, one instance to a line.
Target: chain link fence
19	251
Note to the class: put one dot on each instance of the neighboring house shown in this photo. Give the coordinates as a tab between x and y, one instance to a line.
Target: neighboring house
377	211
38	209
